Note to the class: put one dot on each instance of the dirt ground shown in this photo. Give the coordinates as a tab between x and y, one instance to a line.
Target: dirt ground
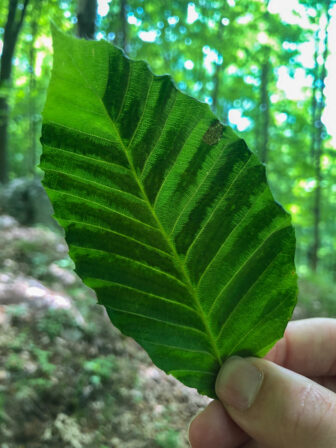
68	378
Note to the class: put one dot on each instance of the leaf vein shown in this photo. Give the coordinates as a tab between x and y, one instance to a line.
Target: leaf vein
155	319
94	183
142	115
159	137
265	318
87	224
147	266
80	131
197	190
175	163
125	93
111	210
216	207
132	288
248	259
233	230
79	155
234	309
175	347
202	372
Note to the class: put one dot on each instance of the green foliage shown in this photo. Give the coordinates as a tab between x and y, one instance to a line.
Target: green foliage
167	213
107	409
3	415
42	357
317	296
169	439
100	368
226	47
14	363
54	322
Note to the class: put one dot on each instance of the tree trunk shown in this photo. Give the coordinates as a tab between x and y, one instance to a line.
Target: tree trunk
31	165
264	114
122	35
316	76
317	209
257	128
215	92
3	140
319	151
86	18
223	113
264	107
15	17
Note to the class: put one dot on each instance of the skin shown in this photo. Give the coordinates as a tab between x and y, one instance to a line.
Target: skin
296	404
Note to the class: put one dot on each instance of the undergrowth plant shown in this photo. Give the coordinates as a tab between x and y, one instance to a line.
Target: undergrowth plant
167	213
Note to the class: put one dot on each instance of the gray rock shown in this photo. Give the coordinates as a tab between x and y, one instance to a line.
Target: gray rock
26	201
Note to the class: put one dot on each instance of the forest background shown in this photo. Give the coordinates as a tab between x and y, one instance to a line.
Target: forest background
267	68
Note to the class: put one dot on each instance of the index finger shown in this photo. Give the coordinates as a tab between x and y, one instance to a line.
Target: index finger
308	347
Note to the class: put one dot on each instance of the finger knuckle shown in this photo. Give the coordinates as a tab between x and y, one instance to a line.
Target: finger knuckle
311	411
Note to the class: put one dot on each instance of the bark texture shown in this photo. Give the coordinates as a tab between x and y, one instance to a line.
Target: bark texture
15	17
86	18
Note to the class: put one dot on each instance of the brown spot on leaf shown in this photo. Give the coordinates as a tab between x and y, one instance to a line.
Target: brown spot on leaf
214	133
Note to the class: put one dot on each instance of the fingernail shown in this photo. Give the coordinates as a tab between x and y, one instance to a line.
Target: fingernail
238	383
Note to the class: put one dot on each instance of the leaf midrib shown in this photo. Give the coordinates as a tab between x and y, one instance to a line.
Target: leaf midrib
177	258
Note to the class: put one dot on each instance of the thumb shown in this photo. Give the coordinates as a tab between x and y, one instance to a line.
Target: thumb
275	406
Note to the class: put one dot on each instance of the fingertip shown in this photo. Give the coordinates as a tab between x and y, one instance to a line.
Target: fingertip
213	428
288	408
307	347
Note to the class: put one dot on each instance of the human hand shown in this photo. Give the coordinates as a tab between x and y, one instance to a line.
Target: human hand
284	401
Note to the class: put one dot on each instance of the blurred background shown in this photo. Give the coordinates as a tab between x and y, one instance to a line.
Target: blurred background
268	69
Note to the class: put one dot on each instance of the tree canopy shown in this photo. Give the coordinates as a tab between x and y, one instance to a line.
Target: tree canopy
262	71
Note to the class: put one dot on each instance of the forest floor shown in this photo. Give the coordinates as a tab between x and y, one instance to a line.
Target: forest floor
68	378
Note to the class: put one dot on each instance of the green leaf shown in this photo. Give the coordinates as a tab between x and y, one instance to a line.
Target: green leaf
167	213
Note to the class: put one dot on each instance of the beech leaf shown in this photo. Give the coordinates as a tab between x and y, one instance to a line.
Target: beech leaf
167	213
